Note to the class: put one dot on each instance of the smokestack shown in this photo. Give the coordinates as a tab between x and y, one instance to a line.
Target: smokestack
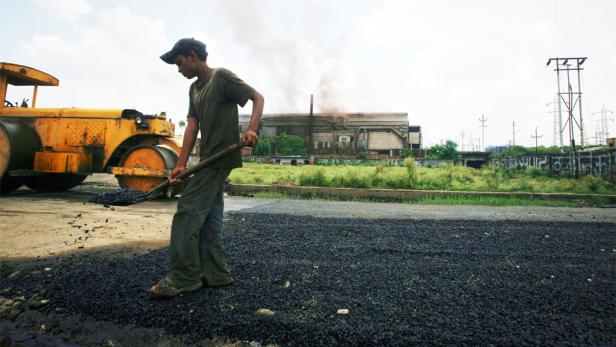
310	126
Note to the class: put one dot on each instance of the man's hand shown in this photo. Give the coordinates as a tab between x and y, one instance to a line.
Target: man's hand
176	171
250	137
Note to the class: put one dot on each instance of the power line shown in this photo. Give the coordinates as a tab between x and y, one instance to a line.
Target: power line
483	120
572	98
557	117
536	137
604	129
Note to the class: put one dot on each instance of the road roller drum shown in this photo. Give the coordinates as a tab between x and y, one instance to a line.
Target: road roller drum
144	167
18	143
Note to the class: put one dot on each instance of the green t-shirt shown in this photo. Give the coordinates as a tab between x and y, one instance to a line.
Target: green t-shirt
213	102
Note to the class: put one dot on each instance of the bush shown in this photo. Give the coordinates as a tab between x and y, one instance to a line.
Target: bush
406	152
313	177
411	171
290	145
524	185
513	151
436	178
493	176
592	183
362	155
380	167
461	174
536	172
263	147
443	152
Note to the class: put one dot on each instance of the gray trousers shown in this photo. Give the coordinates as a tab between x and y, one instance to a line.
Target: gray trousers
197	232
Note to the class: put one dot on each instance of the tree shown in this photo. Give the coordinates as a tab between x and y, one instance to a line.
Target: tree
443	152
548	150
515	151
406	152
182	124
263	147
290	145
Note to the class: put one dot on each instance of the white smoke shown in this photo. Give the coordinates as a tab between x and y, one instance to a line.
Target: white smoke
291	64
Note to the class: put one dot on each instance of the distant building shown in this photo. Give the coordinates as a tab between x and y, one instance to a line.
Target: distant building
344	134
497	149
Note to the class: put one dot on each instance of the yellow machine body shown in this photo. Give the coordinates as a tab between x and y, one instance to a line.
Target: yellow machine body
138	148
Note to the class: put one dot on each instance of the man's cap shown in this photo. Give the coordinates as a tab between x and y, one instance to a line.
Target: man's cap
184	46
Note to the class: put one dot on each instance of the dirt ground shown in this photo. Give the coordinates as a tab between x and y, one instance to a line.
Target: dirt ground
35	225
54	226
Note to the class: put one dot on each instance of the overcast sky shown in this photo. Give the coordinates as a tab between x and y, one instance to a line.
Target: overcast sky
445	63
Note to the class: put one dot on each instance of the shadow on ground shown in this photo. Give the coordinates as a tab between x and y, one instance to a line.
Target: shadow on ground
402	281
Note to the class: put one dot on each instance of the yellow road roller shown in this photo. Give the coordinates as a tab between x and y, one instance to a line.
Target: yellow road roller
52	149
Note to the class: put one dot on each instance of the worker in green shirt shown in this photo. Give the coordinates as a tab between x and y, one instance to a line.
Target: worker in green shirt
197	251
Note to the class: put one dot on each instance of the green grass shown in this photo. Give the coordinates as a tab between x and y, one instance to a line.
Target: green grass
494	201
445	200
271	195
411	177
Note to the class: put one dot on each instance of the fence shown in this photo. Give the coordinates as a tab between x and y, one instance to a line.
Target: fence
601	163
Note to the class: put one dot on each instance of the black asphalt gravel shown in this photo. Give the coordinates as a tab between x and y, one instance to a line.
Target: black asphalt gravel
119	197
403	282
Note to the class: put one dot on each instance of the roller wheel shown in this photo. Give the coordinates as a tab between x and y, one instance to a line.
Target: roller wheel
54	182
155	157
18	142
10	184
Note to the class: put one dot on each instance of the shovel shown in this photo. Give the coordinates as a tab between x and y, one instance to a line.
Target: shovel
130	197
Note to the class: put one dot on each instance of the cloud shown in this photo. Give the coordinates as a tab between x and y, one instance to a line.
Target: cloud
69	10
443	62
293	66
112	62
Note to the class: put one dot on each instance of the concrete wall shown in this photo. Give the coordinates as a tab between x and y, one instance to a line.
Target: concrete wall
601	163
382	140
414	140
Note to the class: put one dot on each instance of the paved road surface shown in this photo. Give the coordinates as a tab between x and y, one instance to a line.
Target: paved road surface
408	274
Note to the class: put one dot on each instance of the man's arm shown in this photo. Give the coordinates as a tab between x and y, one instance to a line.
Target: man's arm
190	135
250	135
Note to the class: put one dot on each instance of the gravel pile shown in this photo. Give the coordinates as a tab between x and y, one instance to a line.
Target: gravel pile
317	281
119	197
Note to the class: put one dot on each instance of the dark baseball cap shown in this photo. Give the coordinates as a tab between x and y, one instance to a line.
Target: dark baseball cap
184	47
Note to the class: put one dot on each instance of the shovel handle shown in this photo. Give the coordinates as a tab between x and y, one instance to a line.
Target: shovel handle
200	166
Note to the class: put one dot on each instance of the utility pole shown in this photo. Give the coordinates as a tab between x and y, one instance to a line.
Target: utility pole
557	116
572	99
598	139
311	127
483	126
536	137
462	134
604	132
513	140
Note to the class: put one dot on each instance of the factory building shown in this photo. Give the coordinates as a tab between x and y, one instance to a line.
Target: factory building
344	134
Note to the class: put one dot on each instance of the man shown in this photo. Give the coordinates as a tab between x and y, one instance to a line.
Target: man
197	252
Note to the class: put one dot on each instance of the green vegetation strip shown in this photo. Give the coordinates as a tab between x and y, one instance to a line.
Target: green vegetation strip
427	197
447	200
410	177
